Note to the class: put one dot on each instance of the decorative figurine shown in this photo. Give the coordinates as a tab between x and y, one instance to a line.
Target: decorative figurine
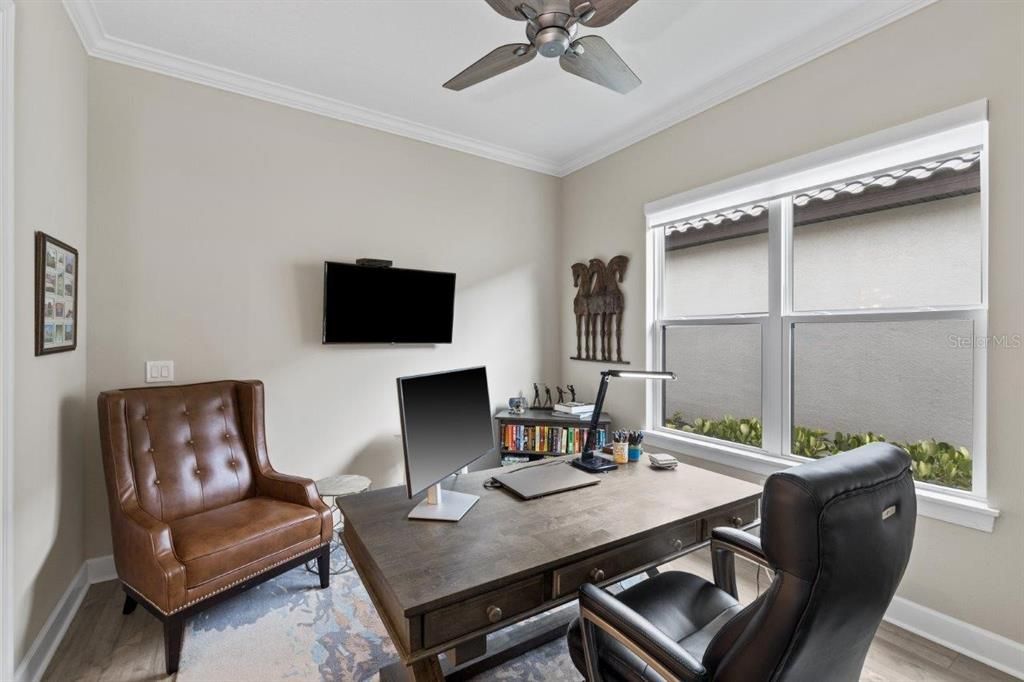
536	396
517	405
572	392
547	397
561	394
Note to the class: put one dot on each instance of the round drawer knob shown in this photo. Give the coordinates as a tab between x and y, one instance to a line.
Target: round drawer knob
597	575
736	521
493	614
677	545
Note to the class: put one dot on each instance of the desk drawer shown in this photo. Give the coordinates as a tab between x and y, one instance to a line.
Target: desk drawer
459	619
611	564
735	517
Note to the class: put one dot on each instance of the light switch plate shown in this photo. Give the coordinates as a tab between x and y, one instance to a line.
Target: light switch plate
159	371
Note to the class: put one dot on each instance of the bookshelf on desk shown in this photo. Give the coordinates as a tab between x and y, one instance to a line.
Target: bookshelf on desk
555	423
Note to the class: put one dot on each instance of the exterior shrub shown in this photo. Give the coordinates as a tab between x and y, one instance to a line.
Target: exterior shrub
933	461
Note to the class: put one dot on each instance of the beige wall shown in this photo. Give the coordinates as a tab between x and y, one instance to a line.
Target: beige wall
210	217
50	196
944	55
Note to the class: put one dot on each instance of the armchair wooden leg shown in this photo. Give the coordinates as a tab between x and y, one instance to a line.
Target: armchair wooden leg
174	629
323	565
129	604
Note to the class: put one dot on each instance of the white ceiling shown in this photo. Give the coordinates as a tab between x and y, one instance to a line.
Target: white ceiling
382	62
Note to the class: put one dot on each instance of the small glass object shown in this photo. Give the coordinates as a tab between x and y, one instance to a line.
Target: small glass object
620	451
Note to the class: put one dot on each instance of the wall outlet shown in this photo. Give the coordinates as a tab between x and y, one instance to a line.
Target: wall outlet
159	371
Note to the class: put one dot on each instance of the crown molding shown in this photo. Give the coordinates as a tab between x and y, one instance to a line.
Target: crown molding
794	54
98	44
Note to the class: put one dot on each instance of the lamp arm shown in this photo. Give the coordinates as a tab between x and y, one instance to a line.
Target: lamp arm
588	446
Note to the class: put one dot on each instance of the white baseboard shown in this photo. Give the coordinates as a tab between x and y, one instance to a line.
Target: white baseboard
101	569
37	659
987	647
34	664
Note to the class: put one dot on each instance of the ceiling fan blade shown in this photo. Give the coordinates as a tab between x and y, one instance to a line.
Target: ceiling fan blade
600	64
605	11
507	8
493	63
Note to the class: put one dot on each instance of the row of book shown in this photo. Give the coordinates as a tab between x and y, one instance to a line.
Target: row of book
557	440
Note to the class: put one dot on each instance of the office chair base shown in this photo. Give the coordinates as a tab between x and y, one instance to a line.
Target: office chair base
594	464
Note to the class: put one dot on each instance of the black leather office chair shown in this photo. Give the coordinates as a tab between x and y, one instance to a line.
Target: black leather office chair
837	535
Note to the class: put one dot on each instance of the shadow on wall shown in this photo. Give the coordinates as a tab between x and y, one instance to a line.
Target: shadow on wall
309	287
380	460
66	551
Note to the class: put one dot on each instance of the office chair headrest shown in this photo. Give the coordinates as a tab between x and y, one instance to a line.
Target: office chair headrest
795	500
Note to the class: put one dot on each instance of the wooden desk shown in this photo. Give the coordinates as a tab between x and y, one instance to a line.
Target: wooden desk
442	586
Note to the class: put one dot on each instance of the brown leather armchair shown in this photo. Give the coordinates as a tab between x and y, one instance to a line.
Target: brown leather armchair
196	511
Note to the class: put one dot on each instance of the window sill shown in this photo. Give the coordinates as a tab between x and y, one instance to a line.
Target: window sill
954	508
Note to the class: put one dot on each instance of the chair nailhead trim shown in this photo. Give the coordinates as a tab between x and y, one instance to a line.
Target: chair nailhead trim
226	587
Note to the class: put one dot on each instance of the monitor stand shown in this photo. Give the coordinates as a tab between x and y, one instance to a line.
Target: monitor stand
443	505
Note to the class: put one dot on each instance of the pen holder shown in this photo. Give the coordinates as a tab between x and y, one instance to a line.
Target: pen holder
634	452
620	451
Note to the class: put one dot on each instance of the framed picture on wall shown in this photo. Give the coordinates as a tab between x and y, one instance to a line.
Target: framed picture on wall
56	295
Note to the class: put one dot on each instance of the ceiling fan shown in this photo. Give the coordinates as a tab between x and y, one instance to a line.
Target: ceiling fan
551	27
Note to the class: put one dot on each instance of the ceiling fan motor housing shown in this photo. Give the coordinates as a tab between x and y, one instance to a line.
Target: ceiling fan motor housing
552	42
549	34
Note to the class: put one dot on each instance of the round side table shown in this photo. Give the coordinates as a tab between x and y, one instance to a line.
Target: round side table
330	489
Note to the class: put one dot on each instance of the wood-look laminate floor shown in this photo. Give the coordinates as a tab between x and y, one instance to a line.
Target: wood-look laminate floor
104	646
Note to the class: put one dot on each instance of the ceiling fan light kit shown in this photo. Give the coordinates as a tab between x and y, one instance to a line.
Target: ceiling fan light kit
551	27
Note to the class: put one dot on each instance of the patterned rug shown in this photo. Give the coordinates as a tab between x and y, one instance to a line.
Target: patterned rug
289	629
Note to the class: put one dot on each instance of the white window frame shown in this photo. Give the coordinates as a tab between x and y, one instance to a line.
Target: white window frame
956	130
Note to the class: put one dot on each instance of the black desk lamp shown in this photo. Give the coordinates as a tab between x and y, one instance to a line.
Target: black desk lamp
588	461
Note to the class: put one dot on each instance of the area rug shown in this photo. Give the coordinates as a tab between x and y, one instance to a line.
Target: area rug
289	629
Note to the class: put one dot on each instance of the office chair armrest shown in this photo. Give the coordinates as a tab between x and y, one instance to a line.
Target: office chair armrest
600	610
726	543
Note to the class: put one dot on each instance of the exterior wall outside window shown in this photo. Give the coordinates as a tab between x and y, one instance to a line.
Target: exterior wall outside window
832	259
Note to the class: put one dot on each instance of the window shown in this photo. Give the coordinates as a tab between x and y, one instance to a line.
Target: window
811	312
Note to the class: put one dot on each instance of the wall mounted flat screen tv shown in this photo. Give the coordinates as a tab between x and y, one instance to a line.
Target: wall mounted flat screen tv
387	305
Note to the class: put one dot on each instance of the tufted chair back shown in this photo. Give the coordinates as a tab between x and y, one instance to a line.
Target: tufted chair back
187	448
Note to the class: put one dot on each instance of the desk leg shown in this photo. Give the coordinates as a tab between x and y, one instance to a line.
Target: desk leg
467	651
424	670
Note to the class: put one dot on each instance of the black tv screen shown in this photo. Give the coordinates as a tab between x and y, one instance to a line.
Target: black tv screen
387	305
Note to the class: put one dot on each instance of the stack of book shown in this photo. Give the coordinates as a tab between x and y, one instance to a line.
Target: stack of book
581	410
554	440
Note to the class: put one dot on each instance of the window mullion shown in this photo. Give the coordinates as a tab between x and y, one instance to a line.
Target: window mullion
785	330
771	334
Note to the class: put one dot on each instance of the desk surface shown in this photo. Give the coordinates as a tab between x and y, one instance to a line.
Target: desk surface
427	564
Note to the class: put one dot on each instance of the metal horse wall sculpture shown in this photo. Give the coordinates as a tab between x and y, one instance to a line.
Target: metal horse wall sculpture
598	308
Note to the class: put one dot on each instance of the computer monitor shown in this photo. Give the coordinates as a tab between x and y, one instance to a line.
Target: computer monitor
446	425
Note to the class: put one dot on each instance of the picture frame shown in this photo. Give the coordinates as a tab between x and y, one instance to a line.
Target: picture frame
57	266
